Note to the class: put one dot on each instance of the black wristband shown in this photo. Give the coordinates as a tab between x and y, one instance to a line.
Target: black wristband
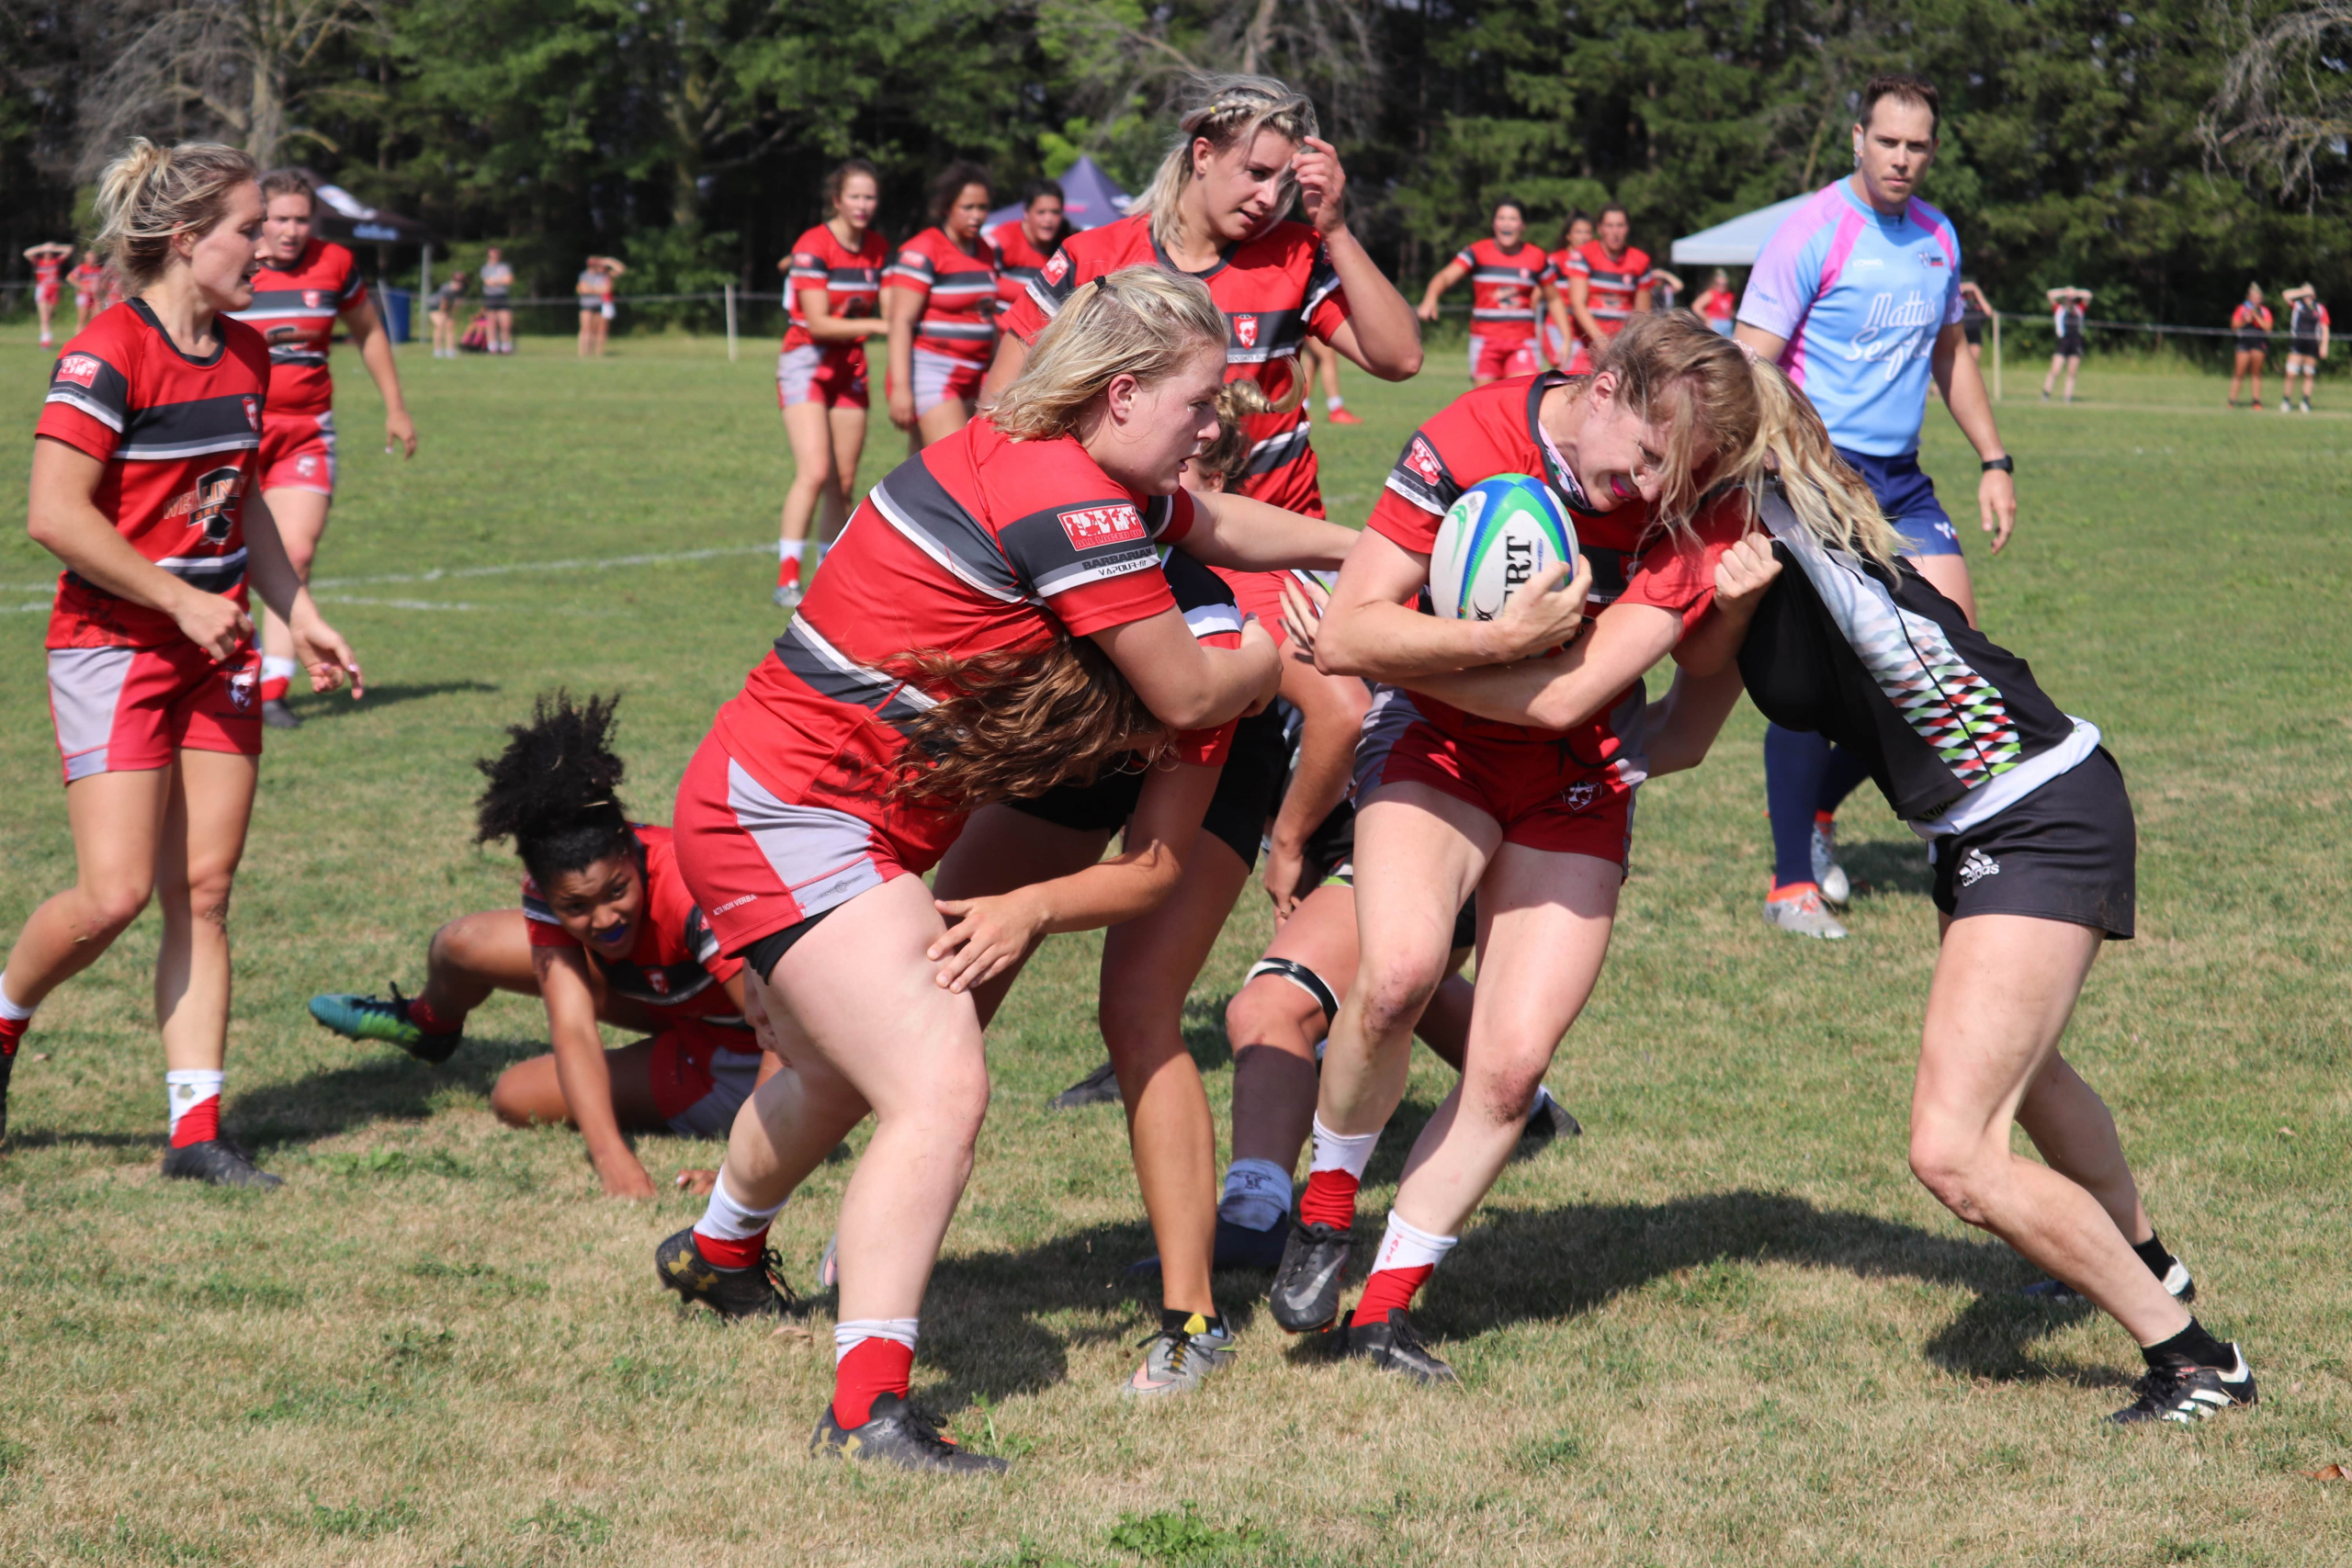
2007	464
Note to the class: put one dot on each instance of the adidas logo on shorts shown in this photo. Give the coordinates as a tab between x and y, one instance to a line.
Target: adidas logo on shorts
1975	865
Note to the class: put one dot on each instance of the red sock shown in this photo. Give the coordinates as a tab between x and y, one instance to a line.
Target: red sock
871	1369
1390	1290
787	572
1330	1198
432	1022
274	688
721	1253
201	1124
1824	818
12	1034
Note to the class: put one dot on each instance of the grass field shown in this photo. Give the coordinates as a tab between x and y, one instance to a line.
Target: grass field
1724	1327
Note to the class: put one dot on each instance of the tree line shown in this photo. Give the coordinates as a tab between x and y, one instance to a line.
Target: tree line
2164	152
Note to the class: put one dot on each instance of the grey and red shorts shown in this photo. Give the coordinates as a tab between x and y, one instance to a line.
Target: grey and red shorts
123	710
1543	797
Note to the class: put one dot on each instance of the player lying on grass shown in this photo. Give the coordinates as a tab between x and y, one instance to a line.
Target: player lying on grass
1019	551
606	933
1533	812
2032	839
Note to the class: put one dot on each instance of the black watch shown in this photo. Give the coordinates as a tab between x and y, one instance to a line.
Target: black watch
2007	465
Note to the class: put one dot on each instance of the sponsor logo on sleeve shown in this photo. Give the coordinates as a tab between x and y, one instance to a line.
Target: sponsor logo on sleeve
1246	329
82	369
1091	527
1422	460
1057	268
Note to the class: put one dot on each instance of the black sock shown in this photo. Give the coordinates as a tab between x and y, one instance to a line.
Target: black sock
1174	1321
2192	1346
2151	1253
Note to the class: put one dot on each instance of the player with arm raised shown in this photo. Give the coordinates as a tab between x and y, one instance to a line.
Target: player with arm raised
49	259
2307	329
144	476
1857	297
2067	308
1511	287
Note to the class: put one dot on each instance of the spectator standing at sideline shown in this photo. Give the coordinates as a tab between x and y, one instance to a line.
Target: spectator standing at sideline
2251	322
1974	312
1857	296
445	315
1717	305
2066	307
596	292
2306	341
498	301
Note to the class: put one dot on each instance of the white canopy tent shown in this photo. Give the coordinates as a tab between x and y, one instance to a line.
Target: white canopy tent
1737	242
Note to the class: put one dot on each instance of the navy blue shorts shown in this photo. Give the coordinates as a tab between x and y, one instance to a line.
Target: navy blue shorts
1907	496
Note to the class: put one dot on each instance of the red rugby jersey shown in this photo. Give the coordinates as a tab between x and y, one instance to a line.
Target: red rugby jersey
674	960
1493	430
294	310
179	438
852	281
1505	292
1019	263
958	294
977	544
1274	289
2247	317
86	279
1613	282
48	269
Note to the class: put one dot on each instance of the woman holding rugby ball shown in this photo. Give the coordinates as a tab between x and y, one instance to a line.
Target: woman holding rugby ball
1018	551
2031	837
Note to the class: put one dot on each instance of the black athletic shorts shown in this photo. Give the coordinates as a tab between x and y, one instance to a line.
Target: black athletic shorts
1247	791
1973	329
2254	342
2064	852
2306	347
2071	346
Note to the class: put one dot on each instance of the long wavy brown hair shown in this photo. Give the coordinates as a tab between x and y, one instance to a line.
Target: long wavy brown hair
1014	724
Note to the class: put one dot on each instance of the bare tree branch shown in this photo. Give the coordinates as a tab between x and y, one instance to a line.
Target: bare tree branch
2285	102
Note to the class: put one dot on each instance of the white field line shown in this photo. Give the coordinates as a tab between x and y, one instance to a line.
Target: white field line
389	603
509	569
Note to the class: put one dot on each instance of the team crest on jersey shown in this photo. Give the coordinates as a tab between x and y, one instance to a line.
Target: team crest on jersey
216	494
253	411
1422	460
1246	329
1057	268
1091	527
82	369
658	980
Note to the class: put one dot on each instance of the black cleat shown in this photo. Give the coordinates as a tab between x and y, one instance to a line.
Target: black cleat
1395	1346
2057	1292
219	1162
1100	1086
732	1293
2189	1395
1306	1293
898	1431
7	1066
1237	1247
278	716
1550	1120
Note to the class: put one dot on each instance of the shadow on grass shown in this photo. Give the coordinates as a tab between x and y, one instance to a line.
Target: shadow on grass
1881	868
313	707
386	1085
1541	1266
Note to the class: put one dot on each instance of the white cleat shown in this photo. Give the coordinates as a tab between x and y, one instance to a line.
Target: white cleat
1828	874
1803	913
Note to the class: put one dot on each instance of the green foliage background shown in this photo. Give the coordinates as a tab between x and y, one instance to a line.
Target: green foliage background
690	135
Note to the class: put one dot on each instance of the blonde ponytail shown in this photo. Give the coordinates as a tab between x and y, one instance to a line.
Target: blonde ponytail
150	195
1224	109
1142	321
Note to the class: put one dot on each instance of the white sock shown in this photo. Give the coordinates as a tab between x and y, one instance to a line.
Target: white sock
1543	1098
1337	1151
1407	1245
1257	1195
185	1088
729	1219
848	1336
276	669
8	1009
1334	403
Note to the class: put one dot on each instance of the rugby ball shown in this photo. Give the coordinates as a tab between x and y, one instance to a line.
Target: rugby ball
1501	534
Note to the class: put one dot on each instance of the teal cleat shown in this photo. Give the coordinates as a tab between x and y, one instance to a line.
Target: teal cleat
373	1018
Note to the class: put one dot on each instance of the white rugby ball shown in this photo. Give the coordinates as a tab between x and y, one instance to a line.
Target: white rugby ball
1501	534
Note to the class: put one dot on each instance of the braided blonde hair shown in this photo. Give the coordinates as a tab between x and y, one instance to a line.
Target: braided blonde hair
151	194
1223	110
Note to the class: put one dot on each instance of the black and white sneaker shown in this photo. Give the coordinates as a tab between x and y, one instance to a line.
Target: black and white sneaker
898	1431
1100	1086
758	1291
217	1162
1397	1346
2189	1394
1549	1119
1306	1293
2057	1292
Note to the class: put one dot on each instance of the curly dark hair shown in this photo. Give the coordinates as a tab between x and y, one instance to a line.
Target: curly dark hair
556	788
